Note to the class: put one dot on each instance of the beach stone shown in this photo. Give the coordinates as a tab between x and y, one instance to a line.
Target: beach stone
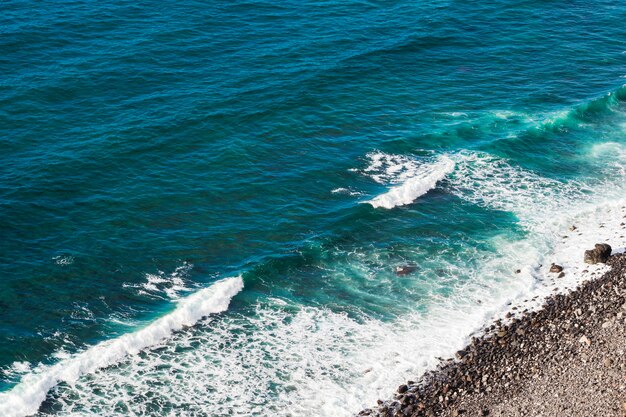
556	268
402	389
600	254
461	354
585	340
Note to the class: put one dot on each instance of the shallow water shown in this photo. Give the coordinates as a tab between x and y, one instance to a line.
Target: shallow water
154	155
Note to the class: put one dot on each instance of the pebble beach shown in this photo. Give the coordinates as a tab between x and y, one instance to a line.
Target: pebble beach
566	359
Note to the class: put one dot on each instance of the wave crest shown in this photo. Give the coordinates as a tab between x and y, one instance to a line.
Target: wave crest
26	397
419	180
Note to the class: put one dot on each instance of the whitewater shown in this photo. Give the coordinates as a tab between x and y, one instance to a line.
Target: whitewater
28	395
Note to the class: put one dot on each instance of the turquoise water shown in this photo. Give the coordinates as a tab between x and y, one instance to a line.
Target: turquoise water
156	153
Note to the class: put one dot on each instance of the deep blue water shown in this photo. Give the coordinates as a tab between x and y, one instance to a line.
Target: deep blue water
149	151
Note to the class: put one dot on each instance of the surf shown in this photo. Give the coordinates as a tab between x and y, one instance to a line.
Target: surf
419	179
26	397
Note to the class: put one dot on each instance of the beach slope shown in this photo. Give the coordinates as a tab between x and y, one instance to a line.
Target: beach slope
566	359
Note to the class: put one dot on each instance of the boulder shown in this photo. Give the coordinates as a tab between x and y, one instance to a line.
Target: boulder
600	254
556	268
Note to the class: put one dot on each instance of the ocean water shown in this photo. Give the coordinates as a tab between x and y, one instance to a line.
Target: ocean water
203	204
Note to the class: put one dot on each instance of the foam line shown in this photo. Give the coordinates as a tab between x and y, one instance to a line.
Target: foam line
26	397
424	178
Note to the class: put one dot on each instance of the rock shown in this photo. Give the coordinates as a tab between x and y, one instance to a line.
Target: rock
585	340
600	254
405	269
561	275
556	268
608	362
402	389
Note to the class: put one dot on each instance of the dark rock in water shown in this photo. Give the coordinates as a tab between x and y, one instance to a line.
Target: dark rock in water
402	389
405	269
600	254
556	268
561	275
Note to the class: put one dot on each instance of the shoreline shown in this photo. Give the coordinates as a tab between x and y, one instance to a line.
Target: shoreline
566	358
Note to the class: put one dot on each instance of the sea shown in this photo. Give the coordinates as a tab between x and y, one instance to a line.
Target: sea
288	208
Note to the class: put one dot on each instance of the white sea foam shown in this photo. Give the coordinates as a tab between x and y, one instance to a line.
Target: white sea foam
611	153
342	190
16	368
493	182
25	398
162	285
612	156
388	169
563	219
63	260
417	179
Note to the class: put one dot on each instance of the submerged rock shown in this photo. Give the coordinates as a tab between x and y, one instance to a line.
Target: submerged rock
600	254
405	269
